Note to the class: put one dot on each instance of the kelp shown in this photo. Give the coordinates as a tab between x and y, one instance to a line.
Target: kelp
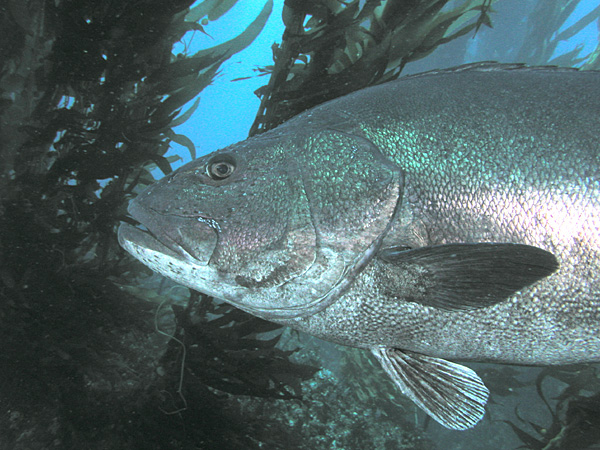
226	349
89	103
331	48
90	92
545	33
574	416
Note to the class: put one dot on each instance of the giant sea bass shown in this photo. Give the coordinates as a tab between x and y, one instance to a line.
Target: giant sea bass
447	216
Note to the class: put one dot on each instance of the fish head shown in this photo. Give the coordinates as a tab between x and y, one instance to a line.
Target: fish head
277	225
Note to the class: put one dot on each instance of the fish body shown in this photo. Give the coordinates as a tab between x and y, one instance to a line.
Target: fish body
487	156
451	215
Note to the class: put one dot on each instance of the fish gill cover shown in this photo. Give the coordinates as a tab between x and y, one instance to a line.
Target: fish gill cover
90	94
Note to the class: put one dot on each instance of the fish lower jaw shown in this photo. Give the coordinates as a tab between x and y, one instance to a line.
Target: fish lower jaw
189	273
269	304
186	271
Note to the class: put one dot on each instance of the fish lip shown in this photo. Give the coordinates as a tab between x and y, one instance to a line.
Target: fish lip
198	216
130	234
139	212
146	216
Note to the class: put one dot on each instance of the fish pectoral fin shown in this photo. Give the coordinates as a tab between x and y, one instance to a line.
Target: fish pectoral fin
464	276
451	394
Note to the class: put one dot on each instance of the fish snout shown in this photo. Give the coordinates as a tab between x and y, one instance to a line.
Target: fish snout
191	236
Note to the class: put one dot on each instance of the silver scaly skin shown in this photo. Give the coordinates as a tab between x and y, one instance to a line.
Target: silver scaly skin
491	156
447	215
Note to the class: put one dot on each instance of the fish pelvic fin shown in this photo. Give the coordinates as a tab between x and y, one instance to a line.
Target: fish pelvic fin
453	395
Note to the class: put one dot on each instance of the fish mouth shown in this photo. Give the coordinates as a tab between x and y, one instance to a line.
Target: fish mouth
129	234
191	238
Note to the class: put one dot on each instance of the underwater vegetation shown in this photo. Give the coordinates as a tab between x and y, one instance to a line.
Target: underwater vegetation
332	48
574	418
542	44
90	94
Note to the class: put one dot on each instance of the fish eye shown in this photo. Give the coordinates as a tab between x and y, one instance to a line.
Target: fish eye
219	169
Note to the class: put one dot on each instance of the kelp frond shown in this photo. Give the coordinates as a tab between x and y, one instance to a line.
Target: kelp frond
546	30
575	417
332	48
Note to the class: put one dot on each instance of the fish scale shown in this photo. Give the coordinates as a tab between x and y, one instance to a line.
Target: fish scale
446	216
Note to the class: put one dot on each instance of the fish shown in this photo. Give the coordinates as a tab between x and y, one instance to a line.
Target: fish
452	215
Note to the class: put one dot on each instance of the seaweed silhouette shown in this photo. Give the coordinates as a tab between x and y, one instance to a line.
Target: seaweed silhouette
574	419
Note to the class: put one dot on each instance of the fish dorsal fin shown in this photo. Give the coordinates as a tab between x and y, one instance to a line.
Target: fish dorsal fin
491	66
464	276
453	395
